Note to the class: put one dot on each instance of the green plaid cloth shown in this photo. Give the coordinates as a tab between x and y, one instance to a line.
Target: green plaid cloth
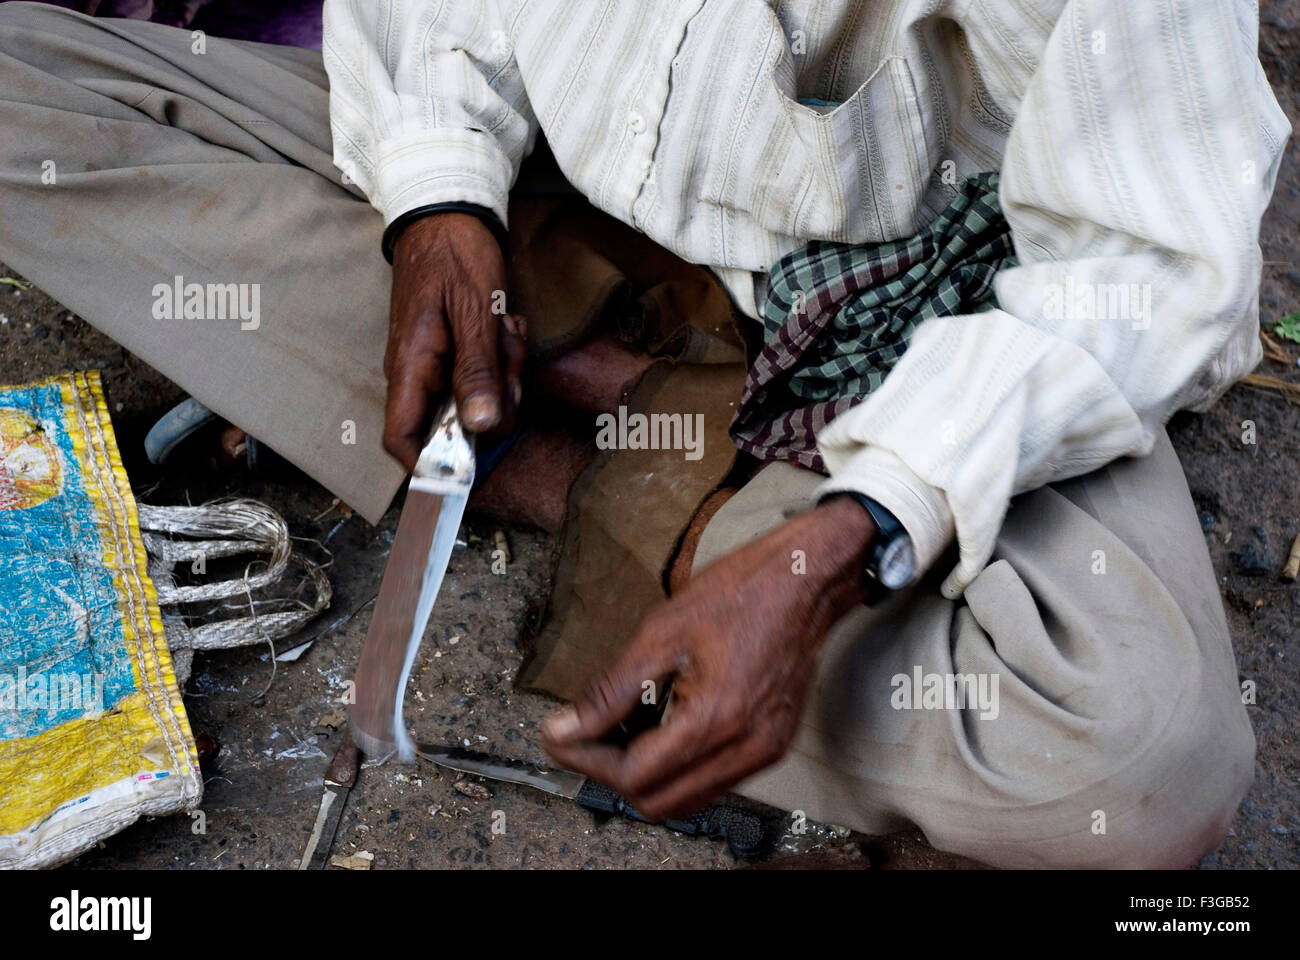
837	317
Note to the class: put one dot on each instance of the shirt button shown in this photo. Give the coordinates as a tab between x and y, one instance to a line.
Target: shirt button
636	122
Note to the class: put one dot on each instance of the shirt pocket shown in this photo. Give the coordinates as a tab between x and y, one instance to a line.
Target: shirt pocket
855	174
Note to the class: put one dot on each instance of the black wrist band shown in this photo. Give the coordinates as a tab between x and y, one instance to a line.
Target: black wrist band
889	552
490	220
872	591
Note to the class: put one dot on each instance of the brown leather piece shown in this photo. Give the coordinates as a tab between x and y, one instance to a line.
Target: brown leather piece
559	278
680	572
627	514
613	319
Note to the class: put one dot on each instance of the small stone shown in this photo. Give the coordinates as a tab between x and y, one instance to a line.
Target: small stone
1252	559
361	860
472	789
331	720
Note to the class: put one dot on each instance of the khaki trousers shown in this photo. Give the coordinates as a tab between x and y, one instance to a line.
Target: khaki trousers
1107	728
128	159
1115	735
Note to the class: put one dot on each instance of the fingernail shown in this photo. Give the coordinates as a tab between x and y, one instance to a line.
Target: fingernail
521	323
516	392
480	412
562	724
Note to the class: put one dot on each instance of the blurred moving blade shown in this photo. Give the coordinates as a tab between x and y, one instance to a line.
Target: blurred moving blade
426	534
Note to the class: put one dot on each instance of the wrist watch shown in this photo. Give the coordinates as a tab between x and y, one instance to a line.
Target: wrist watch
891	561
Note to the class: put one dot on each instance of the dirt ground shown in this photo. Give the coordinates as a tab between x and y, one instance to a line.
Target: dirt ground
274	734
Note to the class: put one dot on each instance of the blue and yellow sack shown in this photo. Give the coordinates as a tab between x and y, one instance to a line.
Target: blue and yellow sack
93	732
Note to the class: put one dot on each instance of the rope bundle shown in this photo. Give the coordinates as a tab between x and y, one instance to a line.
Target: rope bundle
215	531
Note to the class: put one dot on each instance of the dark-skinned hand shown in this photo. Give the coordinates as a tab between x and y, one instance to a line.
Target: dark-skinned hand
740	643
442	333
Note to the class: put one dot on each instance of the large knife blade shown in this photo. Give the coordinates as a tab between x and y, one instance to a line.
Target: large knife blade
340	777
422	546
742	830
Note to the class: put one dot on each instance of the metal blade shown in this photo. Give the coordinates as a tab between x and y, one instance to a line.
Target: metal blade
563	783
339	779
422	547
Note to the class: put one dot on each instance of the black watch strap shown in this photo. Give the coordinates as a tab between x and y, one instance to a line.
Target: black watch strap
888	529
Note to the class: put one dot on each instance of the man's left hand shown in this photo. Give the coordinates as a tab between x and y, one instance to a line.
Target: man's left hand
740	643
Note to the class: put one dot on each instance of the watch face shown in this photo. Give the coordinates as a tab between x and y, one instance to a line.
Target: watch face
898	563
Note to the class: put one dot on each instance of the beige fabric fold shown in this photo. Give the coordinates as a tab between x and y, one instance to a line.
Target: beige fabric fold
1119	737
215	168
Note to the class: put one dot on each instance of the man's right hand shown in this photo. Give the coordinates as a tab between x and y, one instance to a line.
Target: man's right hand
447	271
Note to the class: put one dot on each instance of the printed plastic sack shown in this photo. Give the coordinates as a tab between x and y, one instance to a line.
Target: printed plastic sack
93	733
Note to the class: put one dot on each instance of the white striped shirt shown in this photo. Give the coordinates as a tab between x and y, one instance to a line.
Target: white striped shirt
1138	139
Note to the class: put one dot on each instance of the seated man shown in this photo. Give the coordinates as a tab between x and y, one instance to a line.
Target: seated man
1010	483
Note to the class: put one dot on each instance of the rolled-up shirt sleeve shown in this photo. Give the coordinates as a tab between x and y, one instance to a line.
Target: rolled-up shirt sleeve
427	105
1137	170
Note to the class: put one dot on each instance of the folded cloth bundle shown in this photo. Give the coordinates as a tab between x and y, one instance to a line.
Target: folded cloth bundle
93	733
837	317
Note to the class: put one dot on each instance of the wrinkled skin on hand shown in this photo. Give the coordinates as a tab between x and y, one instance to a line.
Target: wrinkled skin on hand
740	642
442	333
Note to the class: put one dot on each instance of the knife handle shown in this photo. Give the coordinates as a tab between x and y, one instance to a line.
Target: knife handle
446	464
743	831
